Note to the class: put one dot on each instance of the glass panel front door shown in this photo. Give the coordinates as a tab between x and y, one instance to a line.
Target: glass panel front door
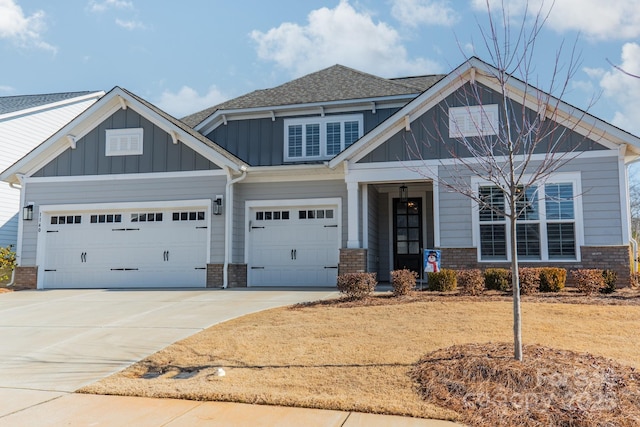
407	234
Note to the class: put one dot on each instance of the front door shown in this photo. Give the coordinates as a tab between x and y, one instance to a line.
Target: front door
407	234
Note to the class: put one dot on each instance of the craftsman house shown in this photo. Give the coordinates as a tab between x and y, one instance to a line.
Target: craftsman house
291	185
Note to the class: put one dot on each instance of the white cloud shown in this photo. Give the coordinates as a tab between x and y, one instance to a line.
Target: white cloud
101	6
130	25
597	19
623	89
4	89
428	12
187	100
339	36
25	31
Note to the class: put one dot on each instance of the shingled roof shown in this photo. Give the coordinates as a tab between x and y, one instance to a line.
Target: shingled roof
336	83
10	104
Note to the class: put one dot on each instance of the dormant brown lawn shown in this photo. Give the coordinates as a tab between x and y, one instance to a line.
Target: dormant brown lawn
354	357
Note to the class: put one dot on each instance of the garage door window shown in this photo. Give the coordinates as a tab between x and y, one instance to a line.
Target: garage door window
106	218
189	216
272	215
316	214
66	219
146	217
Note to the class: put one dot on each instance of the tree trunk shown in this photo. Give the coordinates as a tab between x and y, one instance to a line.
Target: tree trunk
515	283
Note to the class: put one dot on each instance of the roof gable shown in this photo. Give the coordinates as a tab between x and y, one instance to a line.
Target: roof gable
478	70
113	101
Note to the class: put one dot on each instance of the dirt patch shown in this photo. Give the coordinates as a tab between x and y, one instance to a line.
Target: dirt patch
551	387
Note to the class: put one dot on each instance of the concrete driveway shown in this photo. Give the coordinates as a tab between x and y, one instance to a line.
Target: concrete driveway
54	342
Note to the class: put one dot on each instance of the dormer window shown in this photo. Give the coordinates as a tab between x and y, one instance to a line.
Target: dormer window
320	138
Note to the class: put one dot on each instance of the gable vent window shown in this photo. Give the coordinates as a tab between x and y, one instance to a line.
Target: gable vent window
124	142
320	138
476	120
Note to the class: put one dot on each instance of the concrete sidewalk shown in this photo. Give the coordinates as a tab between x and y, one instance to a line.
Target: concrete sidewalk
106	411
55	342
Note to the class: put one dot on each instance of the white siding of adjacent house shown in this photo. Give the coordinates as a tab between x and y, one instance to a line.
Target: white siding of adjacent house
19	134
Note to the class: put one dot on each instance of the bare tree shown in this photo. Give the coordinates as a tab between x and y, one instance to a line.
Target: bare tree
514	146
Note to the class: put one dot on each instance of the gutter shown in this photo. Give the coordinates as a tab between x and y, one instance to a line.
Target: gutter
228	223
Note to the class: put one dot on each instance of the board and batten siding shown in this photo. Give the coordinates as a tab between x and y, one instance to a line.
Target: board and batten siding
291	190
159	153
372	232
157	189
601	204
260	142
429	135
20	134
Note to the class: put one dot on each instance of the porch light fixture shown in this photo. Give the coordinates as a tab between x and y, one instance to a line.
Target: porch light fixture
404	192
27	213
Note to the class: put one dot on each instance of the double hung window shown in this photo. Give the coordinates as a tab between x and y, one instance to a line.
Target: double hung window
320	138
546	226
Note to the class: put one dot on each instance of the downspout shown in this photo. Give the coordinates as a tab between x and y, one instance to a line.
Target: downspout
22	198
228	223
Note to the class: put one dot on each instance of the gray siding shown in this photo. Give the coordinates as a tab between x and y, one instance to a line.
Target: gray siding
159	152
279	191
385	240
138	190
601	211
429	135
9	232
260	142
373	233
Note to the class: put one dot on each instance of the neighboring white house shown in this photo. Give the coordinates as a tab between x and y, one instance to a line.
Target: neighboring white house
25	122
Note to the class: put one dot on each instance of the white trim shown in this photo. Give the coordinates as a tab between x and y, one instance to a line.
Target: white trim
292	203
48	209
128	176
23	192
436	213
625	207
353	215
365	218
575	178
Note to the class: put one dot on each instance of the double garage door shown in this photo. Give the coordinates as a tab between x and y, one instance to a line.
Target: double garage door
293	246
125	248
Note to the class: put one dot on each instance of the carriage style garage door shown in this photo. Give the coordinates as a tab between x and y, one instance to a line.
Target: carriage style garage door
293	246
125	248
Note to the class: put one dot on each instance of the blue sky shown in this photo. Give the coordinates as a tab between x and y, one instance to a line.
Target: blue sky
189	55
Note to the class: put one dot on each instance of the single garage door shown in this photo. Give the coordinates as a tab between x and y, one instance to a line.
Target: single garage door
122	249
294	246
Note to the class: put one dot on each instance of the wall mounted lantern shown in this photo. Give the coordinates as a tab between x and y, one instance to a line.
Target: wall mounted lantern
217	205
27	213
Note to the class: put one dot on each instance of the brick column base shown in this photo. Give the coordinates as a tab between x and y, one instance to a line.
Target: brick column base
26	277
352	261
237	275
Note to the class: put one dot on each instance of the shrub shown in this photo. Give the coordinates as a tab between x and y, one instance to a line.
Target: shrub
7	262
470	282
588	281
529	280
403	281
442	281
357	285
552	279
610	281
498	279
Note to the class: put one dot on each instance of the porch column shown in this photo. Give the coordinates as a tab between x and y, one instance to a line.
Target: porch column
353	223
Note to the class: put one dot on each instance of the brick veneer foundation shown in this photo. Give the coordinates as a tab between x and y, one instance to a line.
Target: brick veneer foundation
616	258
352	261
26	277
237	275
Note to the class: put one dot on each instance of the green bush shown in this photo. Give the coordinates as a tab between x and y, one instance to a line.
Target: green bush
7	262
529	280
357	285
552	279
588	281
470	282
498	279
442	281
610	281
403	281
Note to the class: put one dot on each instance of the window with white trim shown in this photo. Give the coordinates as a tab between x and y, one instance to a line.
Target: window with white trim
546	226
320	138
124	142
474	120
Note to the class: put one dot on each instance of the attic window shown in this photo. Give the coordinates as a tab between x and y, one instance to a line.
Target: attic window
475	120
124	142
320	138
